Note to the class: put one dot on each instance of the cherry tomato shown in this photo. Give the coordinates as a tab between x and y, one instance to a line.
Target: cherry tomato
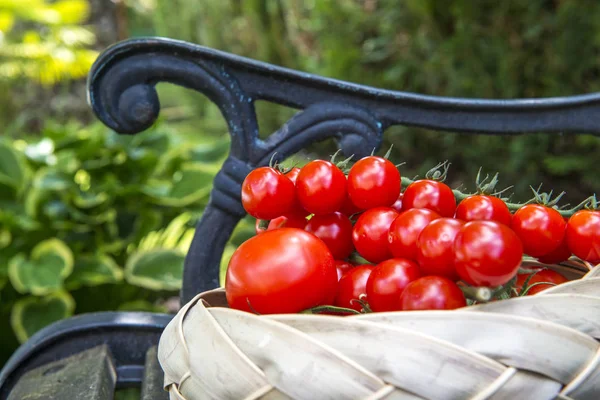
558	255
543	275
370	233
342	267
352	285
373	182
285	270
583	235
430	194
349	208
398	204
335	230
268	194
540	228
487	253
293	174
321	187
387	282
435	248
291	221
405	230
483	207
432	293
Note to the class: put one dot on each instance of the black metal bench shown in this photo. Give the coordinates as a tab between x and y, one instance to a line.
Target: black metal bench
88	356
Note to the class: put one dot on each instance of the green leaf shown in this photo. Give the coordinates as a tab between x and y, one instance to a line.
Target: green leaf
93	270
244	230
31	314
227	254
142	305
191	184
47	179
13	171
159	269
50	262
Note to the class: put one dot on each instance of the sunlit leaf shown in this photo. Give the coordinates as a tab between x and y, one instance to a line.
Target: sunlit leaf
159	269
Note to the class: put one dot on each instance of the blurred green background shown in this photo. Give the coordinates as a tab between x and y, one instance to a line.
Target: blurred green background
91	221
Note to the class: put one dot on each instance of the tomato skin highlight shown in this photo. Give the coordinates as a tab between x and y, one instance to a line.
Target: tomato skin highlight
268	194
373	182
432	293
430	194
583	235
398	203
285	270
405	230
487	253
543	275
435	248
540	228
483	207
293	174
387	282
321	187
352	285
370	233
335	230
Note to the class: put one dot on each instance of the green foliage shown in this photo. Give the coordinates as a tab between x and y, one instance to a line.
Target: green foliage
90	219
463	48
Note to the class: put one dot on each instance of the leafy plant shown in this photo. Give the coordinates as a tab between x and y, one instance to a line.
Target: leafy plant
90	220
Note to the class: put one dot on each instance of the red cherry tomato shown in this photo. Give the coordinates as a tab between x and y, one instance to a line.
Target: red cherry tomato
352	285
540	228
483	207
487	253
398	204
268	194
405	230
342	267
285	270
543	275
558	255
293	174
335	230
430	194
349	208
373	182
291	221
321	187
432	293
435	248
370	233
387	282
583	235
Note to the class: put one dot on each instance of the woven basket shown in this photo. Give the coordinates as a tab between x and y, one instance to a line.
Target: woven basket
535	347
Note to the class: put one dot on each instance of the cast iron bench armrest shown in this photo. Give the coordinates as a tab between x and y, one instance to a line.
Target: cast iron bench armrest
121	90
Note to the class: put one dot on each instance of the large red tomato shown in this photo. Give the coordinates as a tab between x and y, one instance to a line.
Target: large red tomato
285	270
435	248
352	285
583	235
483	207
370	233
373	182
540	228
268	194
487	253
321	187
430	194
335	230
342	267
405	230
387	282
432	293
543	275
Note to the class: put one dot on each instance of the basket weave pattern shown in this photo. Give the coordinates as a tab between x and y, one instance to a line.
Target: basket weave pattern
544	346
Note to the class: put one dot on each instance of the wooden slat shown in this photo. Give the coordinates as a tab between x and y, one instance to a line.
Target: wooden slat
152	386
89	375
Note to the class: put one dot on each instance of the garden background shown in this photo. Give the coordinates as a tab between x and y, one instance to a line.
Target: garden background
93	221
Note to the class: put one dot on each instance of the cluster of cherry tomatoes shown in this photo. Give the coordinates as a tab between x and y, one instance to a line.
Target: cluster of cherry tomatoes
422	249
